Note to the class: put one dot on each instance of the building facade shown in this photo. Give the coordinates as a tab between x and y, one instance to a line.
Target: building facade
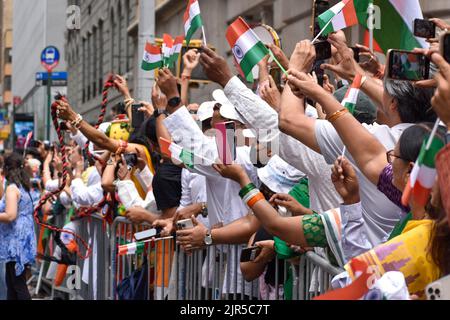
108	39
106	43
36	25
6	7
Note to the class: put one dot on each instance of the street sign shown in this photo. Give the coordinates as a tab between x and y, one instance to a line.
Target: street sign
50	58
59	79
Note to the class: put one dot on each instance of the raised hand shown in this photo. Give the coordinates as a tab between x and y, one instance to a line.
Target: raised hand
345	181
122	86
167	83
191	60
440	101
269	93
303	57
280	55
288	202
303	84
216	67
372	65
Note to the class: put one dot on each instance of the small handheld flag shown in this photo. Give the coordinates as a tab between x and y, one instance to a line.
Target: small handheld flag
192	20
246	46
152	58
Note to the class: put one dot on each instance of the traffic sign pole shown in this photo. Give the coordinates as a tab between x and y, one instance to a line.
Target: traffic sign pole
49	96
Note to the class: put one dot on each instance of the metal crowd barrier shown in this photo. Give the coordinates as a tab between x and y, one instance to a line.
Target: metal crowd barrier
175	275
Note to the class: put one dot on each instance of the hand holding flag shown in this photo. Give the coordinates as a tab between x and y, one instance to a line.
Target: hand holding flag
152	58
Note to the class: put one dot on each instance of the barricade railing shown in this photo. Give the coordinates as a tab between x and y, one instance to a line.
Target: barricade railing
313	276
211	274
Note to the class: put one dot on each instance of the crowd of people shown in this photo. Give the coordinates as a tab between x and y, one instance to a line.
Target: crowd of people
308	174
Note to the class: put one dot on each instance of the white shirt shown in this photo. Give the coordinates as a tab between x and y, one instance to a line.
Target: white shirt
90	194
193	191
380	214
224	203
261	117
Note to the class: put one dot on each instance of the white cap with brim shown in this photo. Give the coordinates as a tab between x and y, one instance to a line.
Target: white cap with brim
279	176
227	110
206	110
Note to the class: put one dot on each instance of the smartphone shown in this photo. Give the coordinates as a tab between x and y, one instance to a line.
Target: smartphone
424	28
439	290
131	160
323	50
185	224
406	65
226	141
445	46
147	234
138	117
250	254
356	52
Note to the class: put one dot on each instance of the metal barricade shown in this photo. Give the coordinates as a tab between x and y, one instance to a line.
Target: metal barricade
313	268
95	270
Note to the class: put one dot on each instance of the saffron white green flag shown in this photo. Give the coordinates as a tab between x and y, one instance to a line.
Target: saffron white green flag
192	19
152	58
246	46
351	97
423	175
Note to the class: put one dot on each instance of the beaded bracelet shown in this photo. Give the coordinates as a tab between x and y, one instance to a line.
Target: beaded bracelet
244	191
77	122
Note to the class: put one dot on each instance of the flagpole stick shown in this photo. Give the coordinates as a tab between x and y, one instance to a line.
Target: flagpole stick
371	25
204	37
321	31
344	151
433	134
278	63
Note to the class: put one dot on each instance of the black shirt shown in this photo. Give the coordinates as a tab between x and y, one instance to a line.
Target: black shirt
263	235
167	186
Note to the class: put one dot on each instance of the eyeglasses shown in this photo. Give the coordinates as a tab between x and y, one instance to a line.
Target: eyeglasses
391	156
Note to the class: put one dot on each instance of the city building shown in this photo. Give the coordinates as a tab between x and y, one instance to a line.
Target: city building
36	25
110	39
6	99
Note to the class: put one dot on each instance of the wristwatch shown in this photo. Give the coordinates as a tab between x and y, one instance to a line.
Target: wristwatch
208	239
174	102
204	211
159	112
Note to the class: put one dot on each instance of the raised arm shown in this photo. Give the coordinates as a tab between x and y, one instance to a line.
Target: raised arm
98	138
190	61
367	151
293	120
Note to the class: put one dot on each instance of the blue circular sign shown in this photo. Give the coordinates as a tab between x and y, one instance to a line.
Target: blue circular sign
50	57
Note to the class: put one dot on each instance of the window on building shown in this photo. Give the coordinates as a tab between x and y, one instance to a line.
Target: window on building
8	55
94	62
7	83
84	71
113	32
120	39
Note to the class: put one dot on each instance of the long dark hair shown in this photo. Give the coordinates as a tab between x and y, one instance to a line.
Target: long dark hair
440	238
15	173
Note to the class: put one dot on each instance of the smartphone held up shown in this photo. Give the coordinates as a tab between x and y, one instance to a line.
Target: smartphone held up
408	66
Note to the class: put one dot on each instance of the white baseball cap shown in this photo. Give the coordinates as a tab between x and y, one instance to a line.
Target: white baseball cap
102	128
206	110
227	110
279	176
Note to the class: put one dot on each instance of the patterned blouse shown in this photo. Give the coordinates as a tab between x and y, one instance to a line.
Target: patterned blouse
18	239
390	191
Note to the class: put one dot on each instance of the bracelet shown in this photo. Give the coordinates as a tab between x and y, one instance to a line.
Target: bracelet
77	122
244	191
363	80
122	147
255	200
185	77
337	115
250	195
128	103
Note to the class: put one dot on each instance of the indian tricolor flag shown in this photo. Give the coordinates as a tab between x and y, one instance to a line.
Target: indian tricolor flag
342	15
176	49
423	175
167	48
246	46
131	248
351	98
152	57
192	19
177	153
